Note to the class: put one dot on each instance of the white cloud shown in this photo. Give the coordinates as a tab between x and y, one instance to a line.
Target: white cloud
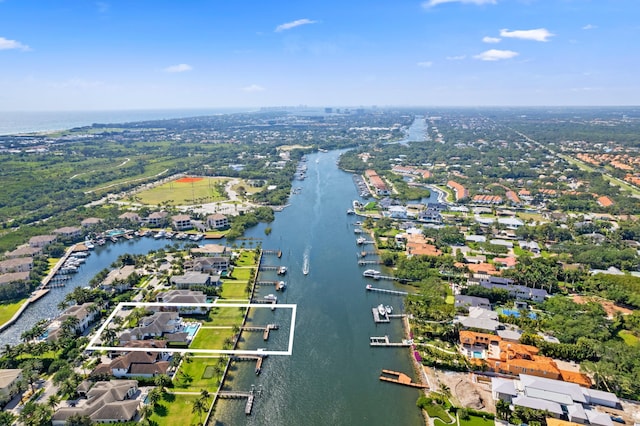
456	58
431	3
425	64
6	44
253	88
496	55
293	24
538	34
589	27
178	68
491	39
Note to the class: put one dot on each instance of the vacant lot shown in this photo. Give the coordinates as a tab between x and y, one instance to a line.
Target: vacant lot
175	409
184	191
211	338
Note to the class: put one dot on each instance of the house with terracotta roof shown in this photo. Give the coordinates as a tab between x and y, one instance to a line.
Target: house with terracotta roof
605	201
156	219
459	190
181	222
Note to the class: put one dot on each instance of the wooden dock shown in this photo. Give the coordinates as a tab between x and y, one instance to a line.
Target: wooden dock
265	330
239	395
273	252
369	262
400	378
257	358
268	268
366	253
383	341
267	283
377	318
384	290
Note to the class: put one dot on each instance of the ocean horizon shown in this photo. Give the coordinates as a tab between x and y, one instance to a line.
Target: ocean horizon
16	122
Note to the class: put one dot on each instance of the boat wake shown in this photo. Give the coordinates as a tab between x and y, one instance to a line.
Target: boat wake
305	261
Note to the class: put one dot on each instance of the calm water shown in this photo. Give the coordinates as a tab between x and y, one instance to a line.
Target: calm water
100	258
13	122
332	376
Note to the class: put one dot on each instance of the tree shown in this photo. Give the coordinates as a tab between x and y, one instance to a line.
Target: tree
199	408
502	409
53	401
6	418
78	420
162	381
154	396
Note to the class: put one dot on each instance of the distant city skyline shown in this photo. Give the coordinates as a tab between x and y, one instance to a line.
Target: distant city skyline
113	55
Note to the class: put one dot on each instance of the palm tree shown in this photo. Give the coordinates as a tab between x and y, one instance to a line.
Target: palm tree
162	381
154	396
109	336
146	411
53	401
204	394
199	407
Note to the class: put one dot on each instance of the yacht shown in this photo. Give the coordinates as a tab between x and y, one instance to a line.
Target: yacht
350	211
281	285
271	298
371	273
381	310
282	270
389	309
361	240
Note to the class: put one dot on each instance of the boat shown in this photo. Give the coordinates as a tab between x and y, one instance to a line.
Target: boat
89	245
281	285
357	231
114	239
271	298
361	240
371	273
159	235
358	223
305	265
388	309
282	270
100	242
169	235
381	310
350	211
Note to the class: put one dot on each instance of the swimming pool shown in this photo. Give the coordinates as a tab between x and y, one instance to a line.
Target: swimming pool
191	329
477	354
516	314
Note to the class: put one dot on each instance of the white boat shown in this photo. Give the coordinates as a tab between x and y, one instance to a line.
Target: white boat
361	240
388	309
305	263
281	285
89	245
381	310
282	270
271	298
350	211
159	235
371	273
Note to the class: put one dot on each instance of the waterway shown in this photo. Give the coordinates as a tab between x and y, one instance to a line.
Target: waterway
101	257
332	376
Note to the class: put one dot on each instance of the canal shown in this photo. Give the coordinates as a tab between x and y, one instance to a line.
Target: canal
332	376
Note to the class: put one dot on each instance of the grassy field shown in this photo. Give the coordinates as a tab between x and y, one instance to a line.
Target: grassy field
233	289
225	316
191	377
476	421
247	258
175	410
242	274
177	193
8	310
211	338
629	338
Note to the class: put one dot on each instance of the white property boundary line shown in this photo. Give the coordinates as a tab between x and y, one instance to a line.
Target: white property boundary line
93	346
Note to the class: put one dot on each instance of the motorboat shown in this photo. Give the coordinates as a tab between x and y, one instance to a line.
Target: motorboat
388	309
271	298
371	273
282	270
381	310
361	240
351	211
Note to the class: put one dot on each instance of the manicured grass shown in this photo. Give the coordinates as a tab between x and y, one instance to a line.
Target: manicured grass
234	289
629	338
175	410
241	274
211	338
476	421
247	258
191	377
177	193
8	310
225	316
436	411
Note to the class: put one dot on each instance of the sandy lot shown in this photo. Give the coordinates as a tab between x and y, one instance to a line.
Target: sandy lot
610	307
466	391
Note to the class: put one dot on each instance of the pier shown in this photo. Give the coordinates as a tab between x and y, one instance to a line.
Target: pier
384	290
273	252
265	330
366	253
383	341
400	378
257	358
269	268
369	262
377	318
239	395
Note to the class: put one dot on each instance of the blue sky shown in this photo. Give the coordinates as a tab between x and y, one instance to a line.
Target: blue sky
75	55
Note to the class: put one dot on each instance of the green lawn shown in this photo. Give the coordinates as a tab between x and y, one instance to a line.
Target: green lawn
629	338
211	338
437	412
476	421
224	316
242	273
175	410
247	258
191	377
8	310
177	193
234	289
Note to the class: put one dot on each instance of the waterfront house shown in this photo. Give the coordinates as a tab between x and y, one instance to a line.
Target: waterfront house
519	292
104	402
131	217
84	313
18	264
212	250
117	279
181	222
397	212
562	400
479	319
193	278
208	265
217	221
41	241
69	232
183	296
134	364
23	251
159	324
466	302
14	277
157	219
91	221
430	215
